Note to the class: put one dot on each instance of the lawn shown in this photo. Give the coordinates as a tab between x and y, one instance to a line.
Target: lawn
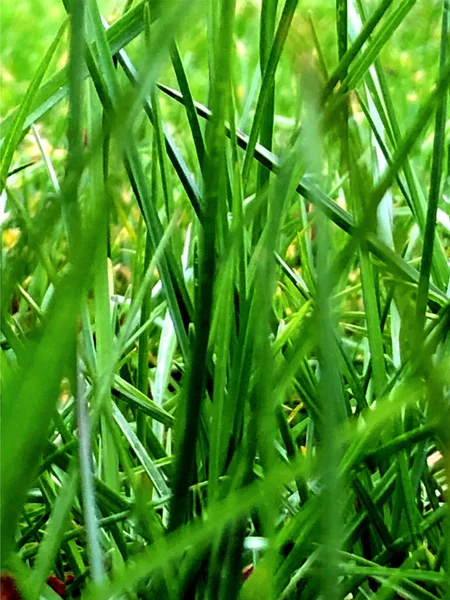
225	299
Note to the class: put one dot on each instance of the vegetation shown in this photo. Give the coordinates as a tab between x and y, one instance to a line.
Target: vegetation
225	300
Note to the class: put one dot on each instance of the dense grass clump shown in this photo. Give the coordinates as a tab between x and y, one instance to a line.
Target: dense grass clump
225	300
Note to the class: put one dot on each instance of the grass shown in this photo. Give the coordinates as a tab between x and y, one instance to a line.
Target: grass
225	310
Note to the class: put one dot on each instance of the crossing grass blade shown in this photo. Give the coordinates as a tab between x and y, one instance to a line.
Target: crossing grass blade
361	65
338	215
191	113
356	47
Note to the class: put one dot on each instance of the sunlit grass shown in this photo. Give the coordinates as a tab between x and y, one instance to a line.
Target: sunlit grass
225	310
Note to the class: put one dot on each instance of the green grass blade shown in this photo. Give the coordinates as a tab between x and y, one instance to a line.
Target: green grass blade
356	47
174	154
141	402
55	531
14	132
267	33
435	184
268	82
191	113
90	509
29	401
141	453
362	62
214	183
338	215
177	297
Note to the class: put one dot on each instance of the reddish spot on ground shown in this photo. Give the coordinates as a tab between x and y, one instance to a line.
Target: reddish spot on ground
8	589
246	572
57	585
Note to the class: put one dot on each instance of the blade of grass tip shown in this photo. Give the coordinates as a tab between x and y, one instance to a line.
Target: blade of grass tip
435	184
141	402
21	168
268	82
318	47
162	155
90	509
214	189
15	132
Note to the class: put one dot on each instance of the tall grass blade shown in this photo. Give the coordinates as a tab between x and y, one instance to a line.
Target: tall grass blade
435	183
